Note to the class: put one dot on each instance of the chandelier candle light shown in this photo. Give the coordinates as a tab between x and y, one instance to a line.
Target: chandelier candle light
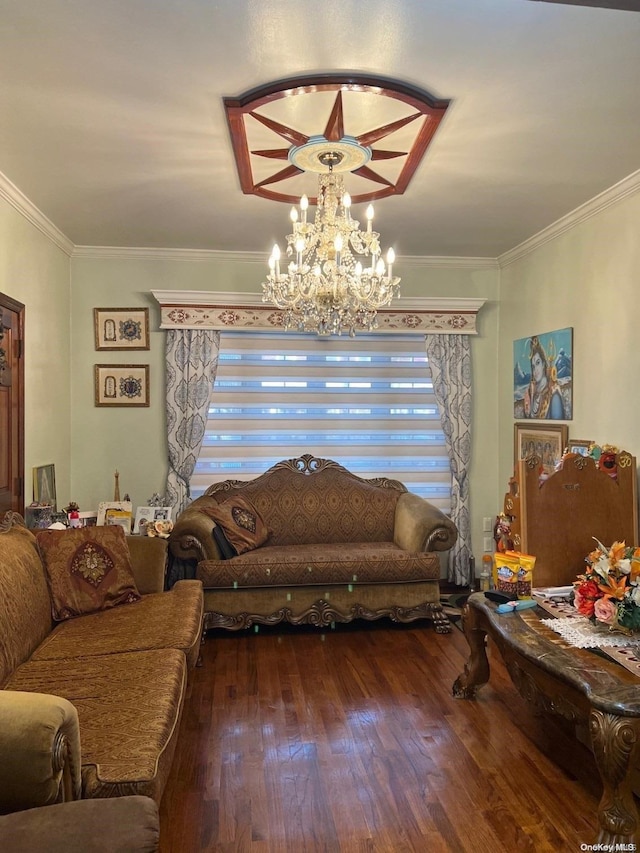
326	288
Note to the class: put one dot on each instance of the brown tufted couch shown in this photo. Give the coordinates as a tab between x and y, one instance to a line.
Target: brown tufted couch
340	548
90	707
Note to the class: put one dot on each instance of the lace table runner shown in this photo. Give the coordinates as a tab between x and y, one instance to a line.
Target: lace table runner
569	624
582	634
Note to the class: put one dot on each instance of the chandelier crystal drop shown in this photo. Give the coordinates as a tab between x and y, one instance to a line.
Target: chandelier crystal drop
335	279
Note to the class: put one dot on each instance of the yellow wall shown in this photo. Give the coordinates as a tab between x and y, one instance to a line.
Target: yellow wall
586	278
35	271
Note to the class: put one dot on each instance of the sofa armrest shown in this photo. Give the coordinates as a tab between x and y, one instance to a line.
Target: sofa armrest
129	823
149	562
192	535
39	751
421	526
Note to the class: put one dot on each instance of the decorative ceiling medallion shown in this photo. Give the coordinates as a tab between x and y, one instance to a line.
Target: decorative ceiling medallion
321	155
382	128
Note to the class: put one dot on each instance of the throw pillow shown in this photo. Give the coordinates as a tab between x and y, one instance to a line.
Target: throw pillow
241	523
227	551
88	569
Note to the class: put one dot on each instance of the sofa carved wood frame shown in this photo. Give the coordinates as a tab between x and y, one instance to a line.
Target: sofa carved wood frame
323	605
322	614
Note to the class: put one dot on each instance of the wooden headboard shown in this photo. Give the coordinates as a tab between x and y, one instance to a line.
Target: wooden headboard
556	519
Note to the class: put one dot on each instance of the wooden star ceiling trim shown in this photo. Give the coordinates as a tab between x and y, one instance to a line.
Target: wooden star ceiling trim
395	120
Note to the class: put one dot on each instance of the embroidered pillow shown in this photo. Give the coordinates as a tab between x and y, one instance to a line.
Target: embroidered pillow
241	523
88	569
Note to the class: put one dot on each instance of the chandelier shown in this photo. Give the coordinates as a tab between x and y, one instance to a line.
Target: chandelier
334	278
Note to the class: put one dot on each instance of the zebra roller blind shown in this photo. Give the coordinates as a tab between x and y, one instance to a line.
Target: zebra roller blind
366	402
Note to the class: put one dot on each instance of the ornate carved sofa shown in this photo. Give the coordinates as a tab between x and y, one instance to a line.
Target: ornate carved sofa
339	547
90	707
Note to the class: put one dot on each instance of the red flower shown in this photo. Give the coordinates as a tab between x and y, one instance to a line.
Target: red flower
587	593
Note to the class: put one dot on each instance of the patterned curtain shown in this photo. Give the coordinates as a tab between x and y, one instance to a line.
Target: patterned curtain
191	365
450	363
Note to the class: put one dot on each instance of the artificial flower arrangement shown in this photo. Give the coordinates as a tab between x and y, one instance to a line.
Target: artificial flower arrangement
161	528
609	590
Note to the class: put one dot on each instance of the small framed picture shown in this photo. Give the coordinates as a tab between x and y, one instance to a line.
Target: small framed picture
109	511
44	485
546	441
121	328
121	517
144	516
148	514
161	513
579	446
88	519
121	384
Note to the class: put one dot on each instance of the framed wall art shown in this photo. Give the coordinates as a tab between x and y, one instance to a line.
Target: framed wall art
44	485
121	328
543	376
546	441
121	384
579	445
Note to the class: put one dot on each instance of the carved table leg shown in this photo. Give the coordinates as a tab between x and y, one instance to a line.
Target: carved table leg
476	670
616	746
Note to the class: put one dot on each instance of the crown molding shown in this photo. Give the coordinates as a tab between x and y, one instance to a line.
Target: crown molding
443	262
17	199
626	187
157	254
259	258
9	192
618	192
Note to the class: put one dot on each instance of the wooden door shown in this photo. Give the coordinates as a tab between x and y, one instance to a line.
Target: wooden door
11	405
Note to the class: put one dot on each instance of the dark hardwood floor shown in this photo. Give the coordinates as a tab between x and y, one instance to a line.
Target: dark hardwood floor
304	740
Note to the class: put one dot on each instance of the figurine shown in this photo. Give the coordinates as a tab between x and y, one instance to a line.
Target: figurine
502	533
156	500
73	514
608	461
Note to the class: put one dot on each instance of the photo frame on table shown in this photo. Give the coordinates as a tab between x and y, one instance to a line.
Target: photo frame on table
89	518
579	446
546	441
121	328
115	512
148	514
44	485
121	385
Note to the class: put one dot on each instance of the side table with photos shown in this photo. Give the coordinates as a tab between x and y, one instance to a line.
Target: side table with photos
584	688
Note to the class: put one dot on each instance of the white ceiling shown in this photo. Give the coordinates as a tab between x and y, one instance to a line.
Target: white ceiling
112	122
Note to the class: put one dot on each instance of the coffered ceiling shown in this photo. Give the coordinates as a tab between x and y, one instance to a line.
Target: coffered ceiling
113	120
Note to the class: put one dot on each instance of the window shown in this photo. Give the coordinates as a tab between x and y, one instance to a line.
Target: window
366	403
